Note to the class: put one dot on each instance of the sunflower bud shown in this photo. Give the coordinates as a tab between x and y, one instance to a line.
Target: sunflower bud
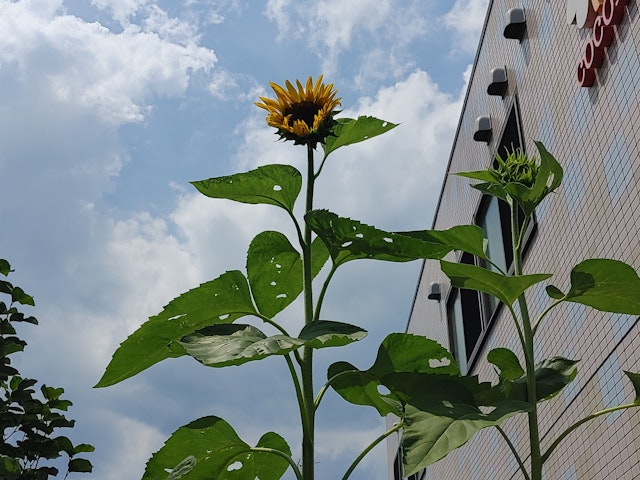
516	168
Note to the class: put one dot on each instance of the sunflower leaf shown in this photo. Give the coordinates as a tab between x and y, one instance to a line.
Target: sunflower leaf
604	284
274	269
235	344
324	333
349	240
210	448
219	301
269	184
348	131
505	288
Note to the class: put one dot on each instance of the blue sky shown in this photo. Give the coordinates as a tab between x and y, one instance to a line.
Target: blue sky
108	108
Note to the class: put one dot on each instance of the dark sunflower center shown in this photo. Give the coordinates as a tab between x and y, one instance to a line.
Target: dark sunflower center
305	111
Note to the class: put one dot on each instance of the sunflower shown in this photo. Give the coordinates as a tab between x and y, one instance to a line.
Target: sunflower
304	115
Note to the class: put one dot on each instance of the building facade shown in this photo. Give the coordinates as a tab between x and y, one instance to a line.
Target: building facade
560	72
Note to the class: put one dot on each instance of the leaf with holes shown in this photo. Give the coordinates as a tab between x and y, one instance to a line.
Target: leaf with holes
219	301
505	288
274	270
210	448
348	131
324	333
604	284
349	240
398	353
441	418
269	184
224	345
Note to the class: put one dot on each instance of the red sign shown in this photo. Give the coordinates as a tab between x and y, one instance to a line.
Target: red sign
611	13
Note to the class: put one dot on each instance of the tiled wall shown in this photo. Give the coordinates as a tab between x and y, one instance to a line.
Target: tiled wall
595	134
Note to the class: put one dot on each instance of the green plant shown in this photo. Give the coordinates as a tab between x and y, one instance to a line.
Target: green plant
438	408
28	421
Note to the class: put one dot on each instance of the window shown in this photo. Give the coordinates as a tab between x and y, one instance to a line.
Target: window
471	313
397	469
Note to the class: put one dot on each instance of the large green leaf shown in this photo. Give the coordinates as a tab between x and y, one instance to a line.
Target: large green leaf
224	345
324	333
506	362
442	417
552	375
349	240
269	184
398	353
210	448
604	284
506	288
348	131
274	269
219	301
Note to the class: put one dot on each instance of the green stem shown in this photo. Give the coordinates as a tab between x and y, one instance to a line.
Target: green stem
326	386
371	446
527	347
274	451
323	291
564	434
512	447
544	314
308	427
296	385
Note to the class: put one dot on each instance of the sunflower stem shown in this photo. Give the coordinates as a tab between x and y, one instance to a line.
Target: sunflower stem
307	358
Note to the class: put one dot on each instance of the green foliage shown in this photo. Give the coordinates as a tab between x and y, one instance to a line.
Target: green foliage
210	448
29	421
506	288
270	184
604	284
349	240
219	301
413	378
349	131
274	269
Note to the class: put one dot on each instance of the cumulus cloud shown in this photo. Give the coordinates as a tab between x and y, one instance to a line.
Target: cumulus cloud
331	28
113	75
466	19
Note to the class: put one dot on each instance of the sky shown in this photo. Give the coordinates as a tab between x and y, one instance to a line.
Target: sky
109	108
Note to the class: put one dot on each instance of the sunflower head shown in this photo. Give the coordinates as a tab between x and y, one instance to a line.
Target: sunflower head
302	114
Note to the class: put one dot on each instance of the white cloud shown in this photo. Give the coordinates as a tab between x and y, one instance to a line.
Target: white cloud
331	27
466	19
113	75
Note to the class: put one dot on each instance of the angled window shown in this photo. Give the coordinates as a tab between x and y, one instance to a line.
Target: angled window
470	313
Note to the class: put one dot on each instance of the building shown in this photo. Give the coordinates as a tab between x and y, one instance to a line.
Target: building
543	71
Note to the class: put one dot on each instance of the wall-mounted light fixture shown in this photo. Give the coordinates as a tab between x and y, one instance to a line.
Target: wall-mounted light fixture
434	292
498	82
516	24
482	129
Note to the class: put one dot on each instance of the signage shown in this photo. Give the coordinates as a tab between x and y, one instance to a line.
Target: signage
602	16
